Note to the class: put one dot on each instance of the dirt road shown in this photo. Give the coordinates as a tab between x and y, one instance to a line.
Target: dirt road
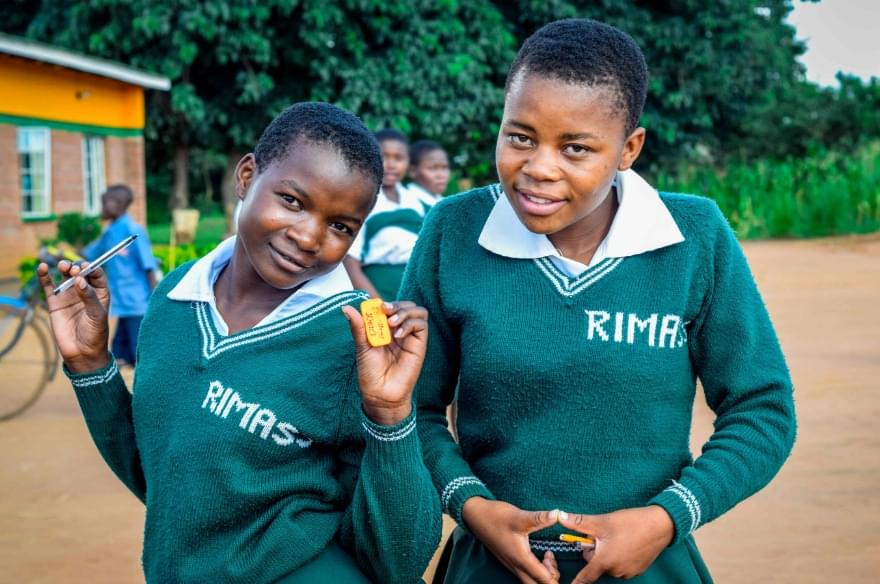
65	518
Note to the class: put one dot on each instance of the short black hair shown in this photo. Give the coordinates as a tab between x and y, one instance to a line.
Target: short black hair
323	124
390	134
420	148
122	192
585	52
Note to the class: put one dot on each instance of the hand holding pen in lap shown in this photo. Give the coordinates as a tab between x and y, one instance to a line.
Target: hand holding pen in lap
626	542
505	529
387	374
78	315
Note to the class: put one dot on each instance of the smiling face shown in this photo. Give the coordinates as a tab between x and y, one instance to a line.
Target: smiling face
559	148
395	160
432	171
300	214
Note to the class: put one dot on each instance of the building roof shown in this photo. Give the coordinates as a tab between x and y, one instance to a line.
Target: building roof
28	49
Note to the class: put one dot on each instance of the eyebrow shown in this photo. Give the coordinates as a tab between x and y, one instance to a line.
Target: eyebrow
351	218
578	136
292	184
564	137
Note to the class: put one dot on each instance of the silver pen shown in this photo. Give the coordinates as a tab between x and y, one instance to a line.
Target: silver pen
97	263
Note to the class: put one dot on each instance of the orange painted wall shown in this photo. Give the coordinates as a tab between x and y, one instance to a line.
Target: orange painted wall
47	92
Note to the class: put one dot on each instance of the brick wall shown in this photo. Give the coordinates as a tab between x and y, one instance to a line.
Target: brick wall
124	163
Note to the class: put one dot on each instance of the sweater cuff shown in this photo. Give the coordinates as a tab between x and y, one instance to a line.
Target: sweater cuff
683	507
458	491
393	445
92	378
98	388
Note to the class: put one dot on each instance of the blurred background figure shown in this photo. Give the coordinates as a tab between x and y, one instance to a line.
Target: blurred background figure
378	256
131	274
429	170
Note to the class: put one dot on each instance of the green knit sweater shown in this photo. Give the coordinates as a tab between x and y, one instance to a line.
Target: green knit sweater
577	393
252	452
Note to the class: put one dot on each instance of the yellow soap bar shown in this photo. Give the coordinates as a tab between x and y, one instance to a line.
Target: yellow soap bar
567	537
375	322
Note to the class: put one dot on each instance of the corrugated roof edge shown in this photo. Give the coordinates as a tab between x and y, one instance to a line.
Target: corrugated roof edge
19	47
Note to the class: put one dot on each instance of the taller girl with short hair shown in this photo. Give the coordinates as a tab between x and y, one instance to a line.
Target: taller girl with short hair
572	308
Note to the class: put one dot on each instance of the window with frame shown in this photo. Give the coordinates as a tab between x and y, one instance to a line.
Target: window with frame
93	173
34	167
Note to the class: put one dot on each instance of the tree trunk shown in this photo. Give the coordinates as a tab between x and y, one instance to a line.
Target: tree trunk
228	192
180	188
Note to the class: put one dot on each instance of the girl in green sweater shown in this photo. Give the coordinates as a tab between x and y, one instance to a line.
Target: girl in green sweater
262	452
572	308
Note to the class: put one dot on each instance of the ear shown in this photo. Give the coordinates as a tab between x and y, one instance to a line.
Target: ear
632	147
245	174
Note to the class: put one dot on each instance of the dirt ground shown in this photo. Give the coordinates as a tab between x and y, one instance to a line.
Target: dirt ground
65	518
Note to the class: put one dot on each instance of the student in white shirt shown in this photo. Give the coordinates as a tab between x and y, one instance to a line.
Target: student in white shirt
429	170
378	256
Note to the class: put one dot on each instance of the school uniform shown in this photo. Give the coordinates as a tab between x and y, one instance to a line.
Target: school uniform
251	451
386	240
425	196
575	384
127	280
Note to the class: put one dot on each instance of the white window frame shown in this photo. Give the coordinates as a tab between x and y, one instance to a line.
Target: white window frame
94	173
46	210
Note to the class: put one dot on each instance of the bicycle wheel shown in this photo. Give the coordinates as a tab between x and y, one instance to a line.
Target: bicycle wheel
23	369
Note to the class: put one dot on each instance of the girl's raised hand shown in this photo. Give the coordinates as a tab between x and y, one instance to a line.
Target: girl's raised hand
388	374
79	316
627	541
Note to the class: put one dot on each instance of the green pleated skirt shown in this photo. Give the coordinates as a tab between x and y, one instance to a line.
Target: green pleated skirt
331	565
469	562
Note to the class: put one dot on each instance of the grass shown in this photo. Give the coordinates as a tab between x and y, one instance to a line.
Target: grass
208	234
827	193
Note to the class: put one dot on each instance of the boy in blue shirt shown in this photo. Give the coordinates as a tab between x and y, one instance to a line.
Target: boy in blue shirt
131	273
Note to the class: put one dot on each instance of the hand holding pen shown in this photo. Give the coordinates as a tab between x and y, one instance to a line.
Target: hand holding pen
78	314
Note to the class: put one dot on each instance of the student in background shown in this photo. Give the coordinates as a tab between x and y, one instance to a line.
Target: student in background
131	274
429	170
378	256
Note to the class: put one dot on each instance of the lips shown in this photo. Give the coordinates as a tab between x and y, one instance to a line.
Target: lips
533	203
289	262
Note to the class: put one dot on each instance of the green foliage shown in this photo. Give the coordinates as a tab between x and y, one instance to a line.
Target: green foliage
27	268
726	88
208	234
825	193
78	229
170	259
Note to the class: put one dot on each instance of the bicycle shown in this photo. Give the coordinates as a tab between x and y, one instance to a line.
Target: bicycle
29	359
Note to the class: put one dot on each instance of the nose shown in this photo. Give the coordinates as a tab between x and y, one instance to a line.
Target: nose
542	165
307	234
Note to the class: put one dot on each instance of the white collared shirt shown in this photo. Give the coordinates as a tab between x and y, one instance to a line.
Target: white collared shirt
424	195
197	285
642	224
390	245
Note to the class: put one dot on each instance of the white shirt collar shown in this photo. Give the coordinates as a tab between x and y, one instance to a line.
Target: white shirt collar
197	285
422	193
408	199
642	224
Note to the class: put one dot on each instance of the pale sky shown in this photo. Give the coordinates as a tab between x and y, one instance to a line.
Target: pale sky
841	35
